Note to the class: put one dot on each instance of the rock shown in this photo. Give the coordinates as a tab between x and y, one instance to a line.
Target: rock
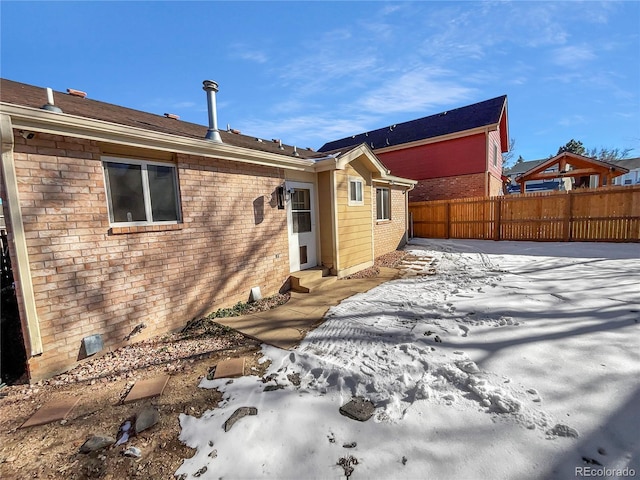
237	415
350	445
404	460
132	452
200	472
147	418
437	339
97	442
271	388
358	409
602	451
591	461
563	431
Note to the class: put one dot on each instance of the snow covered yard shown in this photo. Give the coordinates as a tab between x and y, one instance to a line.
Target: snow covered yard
486	370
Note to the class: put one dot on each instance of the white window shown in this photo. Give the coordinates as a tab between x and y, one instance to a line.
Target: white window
141	192
356	191
383	206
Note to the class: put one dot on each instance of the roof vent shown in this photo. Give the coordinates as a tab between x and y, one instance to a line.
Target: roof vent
76	93
237	132
280	146
172	116
50	106
295	151
259	140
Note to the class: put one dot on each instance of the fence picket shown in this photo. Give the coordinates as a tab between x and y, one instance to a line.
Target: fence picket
605	214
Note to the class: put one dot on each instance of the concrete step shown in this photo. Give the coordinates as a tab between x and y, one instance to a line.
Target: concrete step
306	281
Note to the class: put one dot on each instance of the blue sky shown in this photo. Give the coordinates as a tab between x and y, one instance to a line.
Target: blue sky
311	72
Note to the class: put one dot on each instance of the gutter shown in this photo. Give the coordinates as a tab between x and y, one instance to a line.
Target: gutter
35	119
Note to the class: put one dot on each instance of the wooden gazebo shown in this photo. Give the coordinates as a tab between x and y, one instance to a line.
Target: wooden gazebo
571	165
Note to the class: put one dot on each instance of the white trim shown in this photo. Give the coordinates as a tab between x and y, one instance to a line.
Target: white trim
356	202
146	193
388	204
441	138
22	269
38	120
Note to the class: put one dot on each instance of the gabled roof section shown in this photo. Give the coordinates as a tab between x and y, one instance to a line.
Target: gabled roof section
22	94
580	166
339	159
488	113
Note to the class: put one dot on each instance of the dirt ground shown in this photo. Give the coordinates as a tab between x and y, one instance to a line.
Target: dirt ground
52	450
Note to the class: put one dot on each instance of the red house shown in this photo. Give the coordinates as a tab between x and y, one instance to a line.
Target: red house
453	154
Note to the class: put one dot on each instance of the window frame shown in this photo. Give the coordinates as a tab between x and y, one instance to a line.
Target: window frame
385	205
146	193
495	154
356	181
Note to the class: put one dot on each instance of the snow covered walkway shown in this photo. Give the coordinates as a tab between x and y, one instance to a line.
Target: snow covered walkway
515	360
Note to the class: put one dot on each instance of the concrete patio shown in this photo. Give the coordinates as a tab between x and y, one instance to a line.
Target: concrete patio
285	327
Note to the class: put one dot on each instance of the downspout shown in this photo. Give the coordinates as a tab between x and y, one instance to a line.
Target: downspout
18	239
334	214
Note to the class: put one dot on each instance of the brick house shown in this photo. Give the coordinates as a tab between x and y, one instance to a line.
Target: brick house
453	154
119	219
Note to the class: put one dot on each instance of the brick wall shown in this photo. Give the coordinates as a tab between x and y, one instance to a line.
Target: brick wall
389	235
445	188
88	280
495	186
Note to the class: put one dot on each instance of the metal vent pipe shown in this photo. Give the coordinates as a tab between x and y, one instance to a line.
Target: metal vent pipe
211	88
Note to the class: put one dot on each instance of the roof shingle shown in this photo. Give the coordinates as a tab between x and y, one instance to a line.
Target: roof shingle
31	96
460	119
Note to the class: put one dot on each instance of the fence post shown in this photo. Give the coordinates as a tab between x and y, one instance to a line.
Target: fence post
447	220
497	217
567	216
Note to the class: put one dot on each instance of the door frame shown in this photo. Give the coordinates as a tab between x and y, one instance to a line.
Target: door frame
310	237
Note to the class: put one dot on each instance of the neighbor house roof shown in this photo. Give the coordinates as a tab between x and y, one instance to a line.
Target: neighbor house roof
522	167
480	114
628	163
31	96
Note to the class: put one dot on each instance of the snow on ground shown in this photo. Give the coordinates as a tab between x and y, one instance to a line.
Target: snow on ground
514	360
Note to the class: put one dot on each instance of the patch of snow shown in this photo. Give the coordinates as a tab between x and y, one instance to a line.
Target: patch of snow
516	321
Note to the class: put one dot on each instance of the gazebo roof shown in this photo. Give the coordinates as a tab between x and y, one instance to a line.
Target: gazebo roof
580	167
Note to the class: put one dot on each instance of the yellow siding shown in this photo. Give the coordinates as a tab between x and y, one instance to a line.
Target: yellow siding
325	198
355	228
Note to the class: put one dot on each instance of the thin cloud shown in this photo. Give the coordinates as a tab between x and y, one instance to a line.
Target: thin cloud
317	129
573	56
572	121
250	54
419	90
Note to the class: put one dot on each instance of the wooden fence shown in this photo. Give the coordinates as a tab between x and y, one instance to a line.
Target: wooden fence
592	215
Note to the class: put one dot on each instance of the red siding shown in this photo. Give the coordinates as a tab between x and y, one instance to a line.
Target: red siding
460	156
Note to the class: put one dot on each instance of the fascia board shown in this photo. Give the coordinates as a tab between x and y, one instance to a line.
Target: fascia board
28	118
441	138
362	151
390	179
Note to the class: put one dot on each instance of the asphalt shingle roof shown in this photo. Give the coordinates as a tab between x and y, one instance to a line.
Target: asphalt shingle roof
31	96
460	119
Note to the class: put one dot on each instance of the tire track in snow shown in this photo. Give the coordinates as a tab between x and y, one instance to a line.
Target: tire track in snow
380	345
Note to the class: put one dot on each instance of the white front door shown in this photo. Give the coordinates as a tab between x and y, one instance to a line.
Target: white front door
302	226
